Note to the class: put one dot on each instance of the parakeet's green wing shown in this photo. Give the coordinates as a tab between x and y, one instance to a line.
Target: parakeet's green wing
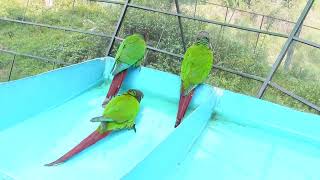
113	126
122	108
131	50
120	49
185	66
130	53
101	119
196	65
123	111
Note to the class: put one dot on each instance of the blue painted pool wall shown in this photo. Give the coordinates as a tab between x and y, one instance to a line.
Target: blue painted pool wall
26	97
258	113
165	158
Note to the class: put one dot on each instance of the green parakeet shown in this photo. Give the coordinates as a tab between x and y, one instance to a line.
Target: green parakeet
196	66
130	54
197	63
120	112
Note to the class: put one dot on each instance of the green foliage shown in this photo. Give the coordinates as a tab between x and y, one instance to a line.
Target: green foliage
5	65
26	67
76	48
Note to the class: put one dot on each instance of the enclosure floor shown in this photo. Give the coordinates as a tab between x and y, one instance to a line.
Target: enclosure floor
227	150
27	146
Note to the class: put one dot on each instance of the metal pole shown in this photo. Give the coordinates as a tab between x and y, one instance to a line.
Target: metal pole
258	36
195	9
285	47
115	33
302	100
290	52
306	42
221	28
12	64
225	20
71	17
180	26
54	65
25	11
34	57
74	1
55	27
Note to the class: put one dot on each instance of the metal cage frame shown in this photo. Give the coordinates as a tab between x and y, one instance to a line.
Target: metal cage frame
292	37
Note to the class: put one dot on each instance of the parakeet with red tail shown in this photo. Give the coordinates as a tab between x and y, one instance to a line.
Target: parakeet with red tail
130	54
196	66
120	113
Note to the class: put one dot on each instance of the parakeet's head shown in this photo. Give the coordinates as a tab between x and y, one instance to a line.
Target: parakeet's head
203	38
141	35
135	93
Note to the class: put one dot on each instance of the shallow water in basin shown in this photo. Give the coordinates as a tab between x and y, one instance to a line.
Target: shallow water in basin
28	145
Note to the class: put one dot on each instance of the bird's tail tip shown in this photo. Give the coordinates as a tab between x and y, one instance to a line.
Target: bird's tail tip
54	163
183	106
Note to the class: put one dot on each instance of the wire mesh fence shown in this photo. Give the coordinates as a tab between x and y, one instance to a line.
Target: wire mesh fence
99	25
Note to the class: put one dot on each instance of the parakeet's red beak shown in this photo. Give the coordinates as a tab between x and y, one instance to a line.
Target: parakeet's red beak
183	106
90	140
115	86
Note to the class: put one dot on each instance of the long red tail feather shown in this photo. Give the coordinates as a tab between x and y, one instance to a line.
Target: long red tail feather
88	141
183	106
116	84
95	136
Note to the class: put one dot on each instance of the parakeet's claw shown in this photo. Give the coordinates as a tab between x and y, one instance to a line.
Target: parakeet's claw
105	102
139	68
134	128
97	119
103	125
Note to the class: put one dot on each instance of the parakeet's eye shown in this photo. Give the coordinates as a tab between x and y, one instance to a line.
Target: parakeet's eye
132	93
